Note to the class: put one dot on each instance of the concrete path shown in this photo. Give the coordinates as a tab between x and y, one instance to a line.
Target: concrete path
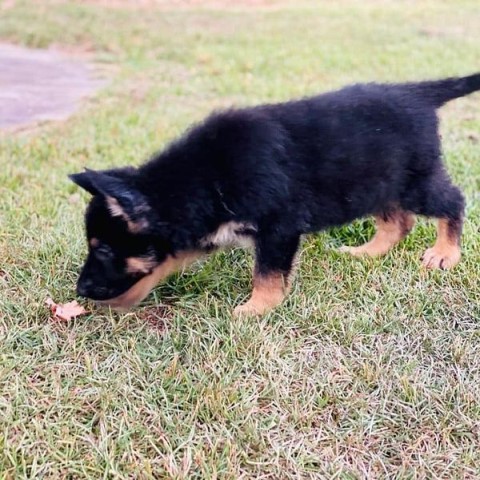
40	85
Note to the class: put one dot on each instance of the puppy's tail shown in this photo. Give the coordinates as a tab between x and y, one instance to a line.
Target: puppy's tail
442	91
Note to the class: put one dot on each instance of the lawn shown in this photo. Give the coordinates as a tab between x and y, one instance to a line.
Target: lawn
370	369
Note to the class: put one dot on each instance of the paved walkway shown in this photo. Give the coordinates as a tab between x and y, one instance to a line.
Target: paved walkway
40	85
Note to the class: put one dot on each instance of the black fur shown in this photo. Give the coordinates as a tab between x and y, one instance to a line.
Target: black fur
284	170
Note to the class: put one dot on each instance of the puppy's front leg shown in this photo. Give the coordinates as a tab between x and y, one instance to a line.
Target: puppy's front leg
272	275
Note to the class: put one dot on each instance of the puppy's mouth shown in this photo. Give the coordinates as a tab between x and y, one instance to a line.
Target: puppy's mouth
136	293
139	290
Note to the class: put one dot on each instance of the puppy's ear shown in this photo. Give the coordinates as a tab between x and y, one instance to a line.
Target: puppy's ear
122	197
84	180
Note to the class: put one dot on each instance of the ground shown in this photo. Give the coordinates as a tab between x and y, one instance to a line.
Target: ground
31	80
371	369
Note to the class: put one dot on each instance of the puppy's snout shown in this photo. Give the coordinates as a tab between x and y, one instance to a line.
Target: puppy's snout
89	289
84	288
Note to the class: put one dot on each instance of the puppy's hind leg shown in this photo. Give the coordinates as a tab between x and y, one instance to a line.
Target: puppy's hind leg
446	251
391	228
272	276
436	197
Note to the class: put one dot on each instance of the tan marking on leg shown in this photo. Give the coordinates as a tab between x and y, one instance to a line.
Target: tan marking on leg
142	288
94	242
446	251
268	292
389	232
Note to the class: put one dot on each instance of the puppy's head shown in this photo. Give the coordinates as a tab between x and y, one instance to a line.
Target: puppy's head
124	255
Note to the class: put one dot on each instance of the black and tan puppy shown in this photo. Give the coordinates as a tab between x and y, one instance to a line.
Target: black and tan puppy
264	176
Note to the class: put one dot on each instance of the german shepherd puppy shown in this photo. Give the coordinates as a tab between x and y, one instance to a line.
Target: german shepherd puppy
263	176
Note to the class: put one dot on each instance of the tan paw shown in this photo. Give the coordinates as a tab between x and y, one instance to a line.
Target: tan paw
443	258
249	309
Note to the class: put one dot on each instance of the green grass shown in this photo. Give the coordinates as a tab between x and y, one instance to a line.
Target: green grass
371	368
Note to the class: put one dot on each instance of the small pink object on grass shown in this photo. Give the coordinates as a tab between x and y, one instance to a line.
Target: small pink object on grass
65	311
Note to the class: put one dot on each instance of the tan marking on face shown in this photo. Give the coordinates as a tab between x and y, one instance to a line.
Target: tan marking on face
390	231
94	242
139	226
268	292
446	252
116	210
143	287
140	264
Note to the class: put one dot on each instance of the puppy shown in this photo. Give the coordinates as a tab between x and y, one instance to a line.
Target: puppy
263	176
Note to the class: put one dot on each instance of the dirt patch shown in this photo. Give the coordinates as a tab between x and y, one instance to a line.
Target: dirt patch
37	85
156	318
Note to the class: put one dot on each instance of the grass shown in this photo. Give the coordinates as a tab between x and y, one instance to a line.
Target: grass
371	369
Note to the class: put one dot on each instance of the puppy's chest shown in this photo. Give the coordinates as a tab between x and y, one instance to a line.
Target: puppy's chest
230	234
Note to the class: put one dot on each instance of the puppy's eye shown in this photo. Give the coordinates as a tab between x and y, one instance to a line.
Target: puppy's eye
103	252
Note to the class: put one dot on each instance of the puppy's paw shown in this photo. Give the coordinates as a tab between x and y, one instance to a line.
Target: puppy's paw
443	258
252	309
248	309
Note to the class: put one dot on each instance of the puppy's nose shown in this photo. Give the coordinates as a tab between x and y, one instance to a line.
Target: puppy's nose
84	288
